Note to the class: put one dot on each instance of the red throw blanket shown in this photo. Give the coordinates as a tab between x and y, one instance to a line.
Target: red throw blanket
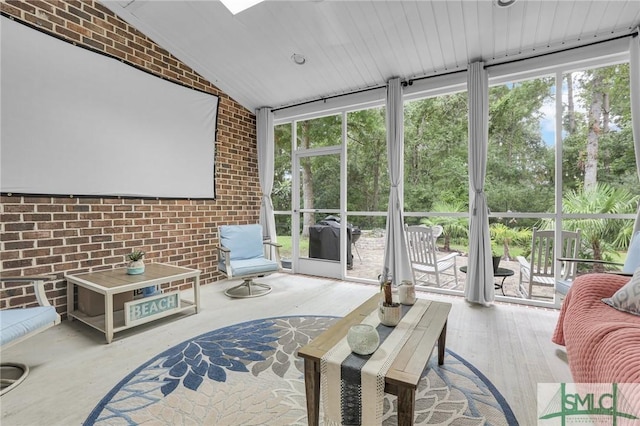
603	343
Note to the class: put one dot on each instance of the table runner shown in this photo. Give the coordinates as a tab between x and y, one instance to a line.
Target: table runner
353	385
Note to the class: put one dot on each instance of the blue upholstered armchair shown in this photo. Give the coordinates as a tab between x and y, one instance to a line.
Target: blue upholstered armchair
19	324
241	254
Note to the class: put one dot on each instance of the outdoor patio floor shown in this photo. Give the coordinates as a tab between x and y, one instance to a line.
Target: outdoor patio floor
368	255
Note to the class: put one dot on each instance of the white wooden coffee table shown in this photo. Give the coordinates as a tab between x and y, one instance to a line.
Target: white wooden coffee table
116	281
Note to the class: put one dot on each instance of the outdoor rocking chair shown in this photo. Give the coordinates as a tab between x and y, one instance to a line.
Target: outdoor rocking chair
423	255
541	269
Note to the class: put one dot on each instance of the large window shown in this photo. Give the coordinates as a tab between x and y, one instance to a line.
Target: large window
436	172
282	189
520	159
436	177
592	186
560	155
599	177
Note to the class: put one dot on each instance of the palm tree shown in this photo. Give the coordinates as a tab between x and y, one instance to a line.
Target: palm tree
602	236
452	227
502	234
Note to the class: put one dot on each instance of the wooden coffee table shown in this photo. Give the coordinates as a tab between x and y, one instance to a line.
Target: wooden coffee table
406	369
115	281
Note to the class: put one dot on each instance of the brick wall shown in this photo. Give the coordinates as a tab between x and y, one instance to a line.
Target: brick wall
58	235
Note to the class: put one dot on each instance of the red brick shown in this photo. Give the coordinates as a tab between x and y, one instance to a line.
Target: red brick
65	266
65	250
77	240
18	245
36	235
100	254
91	231
65	233
78	224
76	256
49	208
10	236
50	243
36	252
15	208
5	218
48	260
90	247
20	263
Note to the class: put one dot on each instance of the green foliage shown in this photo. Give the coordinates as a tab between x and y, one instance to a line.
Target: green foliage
504	235
519	164
367	168
135	255
520	169
435	167
452	227
601	236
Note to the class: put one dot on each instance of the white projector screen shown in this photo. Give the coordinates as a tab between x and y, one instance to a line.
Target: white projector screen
79	123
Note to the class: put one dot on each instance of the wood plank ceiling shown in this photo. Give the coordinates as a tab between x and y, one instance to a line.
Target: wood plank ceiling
354	45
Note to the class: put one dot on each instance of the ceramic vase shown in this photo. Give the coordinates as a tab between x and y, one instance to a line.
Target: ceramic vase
363	339
135	267
389	315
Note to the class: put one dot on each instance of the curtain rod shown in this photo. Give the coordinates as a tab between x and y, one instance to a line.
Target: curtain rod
566	49
326	98
406	82
409	81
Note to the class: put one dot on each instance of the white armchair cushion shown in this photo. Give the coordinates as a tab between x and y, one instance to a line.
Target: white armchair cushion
17	323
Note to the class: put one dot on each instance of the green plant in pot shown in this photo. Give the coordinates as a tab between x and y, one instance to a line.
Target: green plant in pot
496	255
136	264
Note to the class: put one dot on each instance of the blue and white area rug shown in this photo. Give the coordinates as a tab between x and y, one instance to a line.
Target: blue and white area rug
249	374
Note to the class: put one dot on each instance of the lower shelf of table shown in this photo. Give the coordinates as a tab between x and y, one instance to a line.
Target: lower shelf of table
98	321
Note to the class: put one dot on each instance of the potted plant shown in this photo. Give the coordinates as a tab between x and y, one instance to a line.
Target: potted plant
136	264
496	255
389	311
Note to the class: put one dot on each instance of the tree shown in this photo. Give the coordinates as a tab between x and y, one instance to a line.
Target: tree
519	163
601	236
435	163
368	187
317	171
502	234
605	94
452	227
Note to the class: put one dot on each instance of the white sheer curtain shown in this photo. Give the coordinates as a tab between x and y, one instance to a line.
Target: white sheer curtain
479	280
266	171
634	71
396	257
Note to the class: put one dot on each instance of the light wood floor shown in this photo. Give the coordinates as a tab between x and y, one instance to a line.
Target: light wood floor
72	368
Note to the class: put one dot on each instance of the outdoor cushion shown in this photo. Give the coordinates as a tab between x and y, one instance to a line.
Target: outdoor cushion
15	323
244	267
627	299
244	241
